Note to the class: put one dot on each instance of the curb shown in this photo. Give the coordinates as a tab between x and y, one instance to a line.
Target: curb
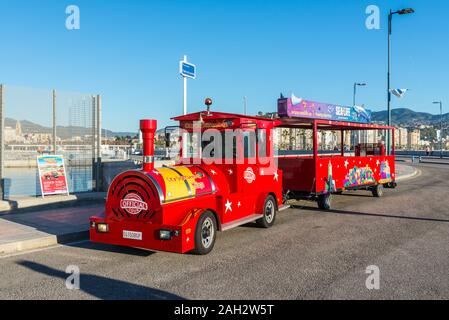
45	241
33	204
409	176
435	162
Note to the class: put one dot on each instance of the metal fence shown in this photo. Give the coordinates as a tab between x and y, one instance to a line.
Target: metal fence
37	122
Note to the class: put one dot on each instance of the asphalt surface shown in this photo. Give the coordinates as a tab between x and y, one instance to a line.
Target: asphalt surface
308	254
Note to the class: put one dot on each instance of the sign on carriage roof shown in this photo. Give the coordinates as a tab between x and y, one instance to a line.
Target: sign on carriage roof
295	107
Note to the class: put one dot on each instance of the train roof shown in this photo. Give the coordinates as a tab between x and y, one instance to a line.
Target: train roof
212	115
285	122
305	123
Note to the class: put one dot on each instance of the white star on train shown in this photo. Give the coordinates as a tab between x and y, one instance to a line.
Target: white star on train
228	206
213	172
230	172
239	204
276	176
378	163
346	164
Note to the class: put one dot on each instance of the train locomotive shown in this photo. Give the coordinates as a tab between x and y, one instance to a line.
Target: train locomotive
180	208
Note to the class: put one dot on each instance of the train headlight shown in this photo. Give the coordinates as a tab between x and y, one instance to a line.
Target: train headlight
165	235
102	227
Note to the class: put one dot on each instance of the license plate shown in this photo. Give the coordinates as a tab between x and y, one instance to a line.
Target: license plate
132	235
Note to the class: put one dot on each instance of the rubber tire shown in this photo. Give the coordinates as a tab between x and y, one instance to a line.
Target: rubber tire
390	185
199	247
325	201
378	191
263	223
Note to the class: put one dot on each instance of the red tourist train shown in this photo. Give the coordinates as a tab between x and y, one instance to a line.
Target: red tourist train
242	179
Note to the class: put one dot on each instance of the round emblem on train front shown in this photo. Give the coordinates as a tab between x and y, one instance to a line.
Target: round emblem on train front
133	204
249	175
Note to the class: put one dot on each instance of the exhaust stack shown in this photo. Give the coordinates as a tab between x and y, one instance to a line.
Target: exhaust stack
148	128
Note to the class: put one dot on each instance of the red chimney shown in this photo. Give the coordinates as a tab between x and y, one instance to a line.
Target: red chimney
148	128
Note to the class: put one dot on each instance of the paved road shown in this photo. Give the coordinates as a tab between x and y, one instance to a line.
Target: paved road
309	254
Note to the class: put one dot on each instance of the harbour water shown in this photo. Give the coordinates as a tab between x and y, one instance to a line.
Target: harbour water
25	181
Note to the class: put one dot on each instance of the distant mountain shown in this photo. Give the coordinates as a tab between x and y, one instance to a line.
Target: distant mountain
409	118
62	132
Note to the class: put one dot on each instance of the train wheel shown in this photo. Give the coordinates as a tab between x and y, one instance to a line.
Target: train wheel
205	234
378	191
324	201
269	213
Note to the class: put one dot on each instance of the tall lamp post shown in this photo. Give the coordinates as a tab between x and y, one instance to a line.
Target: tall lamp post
441	127
356	84
245	105
390	20
355	91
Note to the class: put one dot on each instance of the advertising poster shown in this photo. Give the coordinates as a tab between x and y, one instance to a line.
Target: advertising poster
300	108
52	175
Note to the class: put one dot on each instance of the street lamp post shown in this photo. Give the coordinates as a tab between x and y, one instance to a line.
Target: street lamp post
390	20
356	84
245	106
441	127
355	90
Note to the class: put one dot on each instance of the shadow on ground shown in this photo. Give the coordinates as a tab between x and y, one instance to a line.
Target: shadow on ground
353	213
105	288
87	245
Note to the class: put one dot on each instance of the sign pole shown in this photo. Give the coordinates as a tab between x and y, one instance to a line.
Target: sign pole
187	70
185	89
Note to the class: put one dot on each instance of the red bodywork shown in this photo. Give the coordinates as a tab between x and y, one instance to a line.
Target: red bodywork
312	175
141	203
173	198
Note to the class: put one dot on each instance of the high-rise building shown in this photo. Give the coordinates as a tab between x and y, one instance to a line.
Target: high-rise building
18	129
414	138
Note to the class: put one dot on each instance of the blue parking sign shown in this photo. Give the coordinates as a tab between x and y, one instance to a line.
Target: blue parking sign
188	70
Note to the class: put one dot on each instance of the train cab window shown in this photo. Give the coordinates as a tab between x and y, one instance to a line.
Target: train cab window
262	143
219	146
249	144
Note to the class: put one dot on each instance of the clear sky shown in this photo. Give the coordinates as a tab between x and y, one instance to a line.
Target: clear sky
129	51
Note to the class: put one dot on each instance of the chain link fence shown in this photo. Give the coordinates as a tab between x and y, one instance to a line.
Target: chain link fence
38	122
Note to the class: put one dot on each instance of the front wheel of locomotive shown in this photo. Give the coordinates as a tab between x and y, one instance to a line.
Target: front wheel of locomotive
269	213
205	234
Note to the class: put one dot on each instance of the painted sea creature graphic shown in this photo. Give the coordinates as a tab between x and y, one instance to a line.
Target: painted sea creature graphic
295	100
359	176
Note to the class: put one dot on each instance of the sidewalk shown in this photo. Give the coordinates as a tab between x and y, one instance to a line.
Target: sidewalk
40	229
39	226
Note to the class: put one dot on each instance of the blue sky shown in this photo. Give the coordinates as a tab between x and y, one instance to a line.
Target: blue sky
129	51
